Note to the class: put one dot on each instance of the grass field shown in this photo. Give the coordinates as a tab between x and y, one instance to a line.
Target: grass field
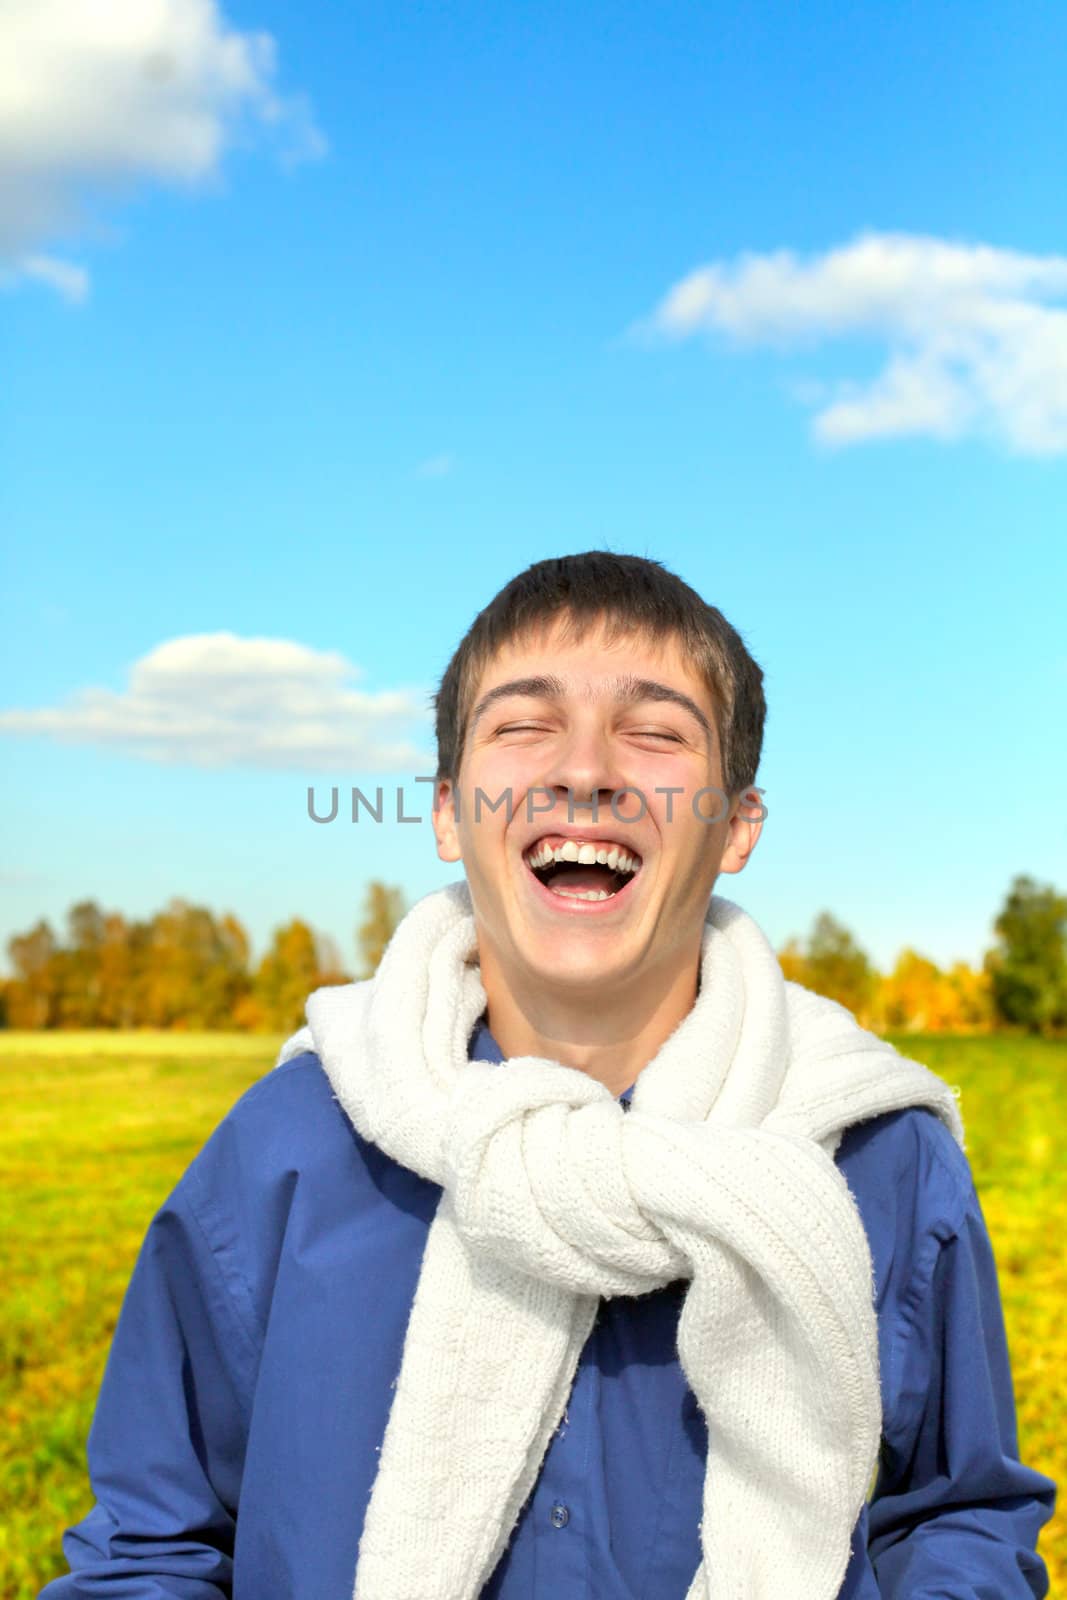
95	1130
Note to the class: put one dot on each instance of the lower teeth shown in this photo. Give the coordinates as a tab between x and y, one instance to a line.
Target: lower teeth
583	894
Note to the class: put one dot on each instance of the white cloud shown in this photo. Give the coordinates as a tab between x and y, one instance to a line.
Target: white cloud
436	466
217	700
976	342
71	281
103	94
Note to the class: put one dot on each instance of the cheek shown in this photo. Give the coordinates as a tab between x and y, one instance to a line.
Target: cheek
512	781
645	776
481	830
675	812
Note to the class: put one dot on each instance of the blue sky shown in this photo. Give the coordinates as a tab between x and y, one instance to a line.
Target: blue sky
312	344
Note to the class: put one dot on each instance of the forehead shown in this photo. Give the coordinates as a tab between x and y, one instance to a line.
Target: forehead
593	665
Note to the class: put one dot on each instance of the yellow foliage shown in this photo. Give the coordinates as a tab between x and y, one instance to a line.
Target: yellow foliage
792	961
919	995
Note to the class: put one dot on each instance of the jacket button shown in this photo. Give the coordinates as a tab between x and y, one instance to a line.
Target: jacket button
559	1516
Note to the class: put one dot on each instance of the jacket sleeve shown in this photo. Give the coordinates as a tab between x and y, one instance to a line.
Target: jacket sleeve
955	1514
167	1441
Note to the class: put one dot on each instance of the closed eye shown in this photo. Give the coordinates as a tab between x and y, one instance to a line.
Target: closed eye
639	733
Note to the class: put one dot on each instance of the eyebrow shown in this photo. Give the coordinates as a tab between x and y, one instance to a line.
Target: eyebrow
628	691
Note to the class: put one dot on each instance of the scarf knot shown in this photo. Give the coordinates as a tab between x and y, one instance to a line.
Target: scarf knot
544	1168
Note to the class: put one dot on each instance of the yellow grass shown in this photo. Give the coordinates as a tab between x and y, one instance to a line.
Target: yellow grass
96	1128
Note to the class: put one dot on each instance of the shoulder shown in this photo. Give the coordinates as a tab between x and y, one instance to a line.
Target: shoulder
286	1119
286	1142
285	1176
908	1163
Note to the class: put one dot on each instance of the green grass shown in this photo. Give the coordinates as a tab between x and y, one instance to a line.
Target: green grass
1012	1104
95	1130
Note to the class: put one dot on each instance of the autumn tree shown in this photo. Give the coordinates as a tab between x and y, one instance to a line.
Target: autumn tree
297	962
383	909
33	994
79	1005
119	953
793	962
974	995
194	969
918	994
833	964
1028	965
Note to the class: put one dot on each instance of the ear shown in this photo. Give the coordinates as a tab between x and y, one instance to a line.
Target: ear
743	830
444	821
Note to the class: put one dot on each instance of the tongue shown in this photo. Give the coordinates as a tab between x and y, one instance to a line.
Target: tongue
572	877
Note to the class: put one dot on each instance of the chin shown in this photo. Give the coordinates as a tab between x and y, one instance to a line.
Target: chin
577	961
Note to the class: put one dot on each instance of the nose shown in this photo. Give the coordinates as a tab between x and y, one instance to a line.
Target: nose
583	774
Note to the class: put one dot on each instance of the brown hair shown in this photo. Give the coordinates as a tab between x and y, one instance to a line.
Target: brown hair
627	594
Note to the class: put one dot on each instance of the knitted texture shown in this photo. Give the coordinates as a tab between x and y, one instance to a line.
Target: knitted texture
721	1173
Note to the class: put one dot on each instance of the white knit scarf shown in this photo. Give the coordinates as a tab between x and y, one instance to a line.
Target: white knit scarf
721	1172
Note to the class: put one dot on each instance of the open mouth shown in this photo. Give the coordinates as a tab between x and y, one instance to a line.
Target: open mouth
580	869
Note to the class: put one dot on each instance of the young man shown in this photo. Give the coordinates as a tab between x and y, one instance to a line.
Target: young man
576	1254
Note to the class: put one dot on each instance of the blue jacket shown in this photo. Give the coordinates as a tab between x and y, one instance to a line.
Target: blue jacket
246	1394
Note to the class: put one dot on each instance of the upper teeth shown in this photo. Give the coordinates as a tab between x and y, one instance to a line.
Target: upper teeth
587	855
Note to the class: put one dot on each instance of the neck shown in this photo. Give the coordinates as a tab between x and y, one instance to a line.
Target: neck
611	1035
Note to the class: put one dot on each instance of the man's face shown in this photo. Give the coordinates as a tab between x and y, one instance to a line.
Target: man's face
556	730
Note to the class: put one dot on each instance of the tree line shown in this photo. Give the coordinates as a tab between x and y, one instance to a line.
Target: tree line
186	968
1021	982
